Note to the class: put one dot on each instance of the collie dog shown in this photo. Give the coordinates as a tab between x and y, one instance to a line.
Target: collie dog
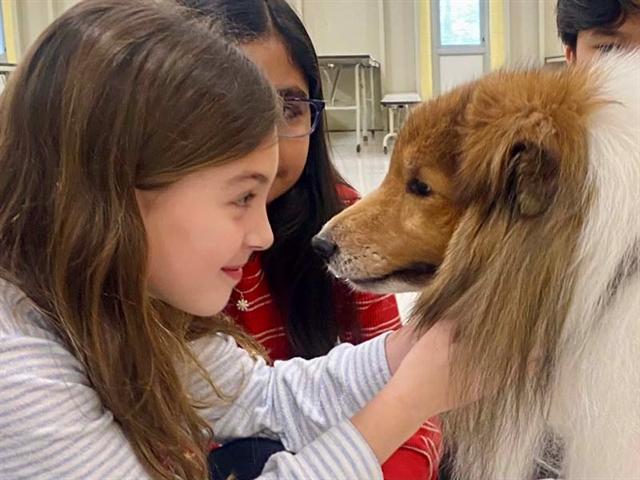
513	204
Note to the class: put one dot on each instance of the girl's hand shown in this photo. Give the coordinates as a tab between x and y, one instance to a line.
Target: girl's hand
422	380
419	389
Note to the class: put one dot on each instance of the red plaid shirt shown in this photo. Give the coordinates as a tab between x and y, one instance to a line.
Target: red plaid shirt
418	457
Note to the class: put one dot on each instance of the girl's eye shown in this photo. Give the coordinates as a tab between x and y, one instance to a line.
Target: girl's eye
291	110
245	200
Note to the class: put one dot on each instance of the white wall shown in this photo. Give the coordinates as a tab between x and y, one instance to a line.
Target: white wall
344	27
385	29
551	43
336	27
533	33
31	17
354	27
524	34
401	41
297	5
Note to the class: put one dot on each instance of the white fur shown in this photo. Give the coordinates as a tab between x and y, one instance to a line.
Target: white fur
598	387
596	403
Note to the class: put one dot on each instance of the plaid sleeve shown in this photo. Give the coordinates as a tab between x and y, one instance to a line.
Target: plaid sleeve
376	314
419	457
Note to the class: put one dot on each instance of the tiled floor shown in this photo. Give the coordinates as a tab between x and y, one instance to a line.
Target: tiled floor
365	171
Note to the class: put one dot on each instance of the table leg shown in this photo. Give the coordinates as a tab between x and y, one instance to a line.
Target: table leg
335	85
373	103
392	133
365	112
358	108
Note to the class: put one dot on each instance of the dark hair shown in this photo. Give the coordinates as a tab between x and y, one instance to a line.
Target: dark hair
119	95
574	16
301	286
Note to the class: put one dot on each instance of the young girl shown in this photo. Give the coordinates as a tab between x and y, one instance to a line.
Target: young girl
137	150
286	299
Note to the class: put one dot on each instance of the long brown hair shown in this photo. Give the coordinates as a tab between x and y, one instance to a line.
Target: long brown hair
118	95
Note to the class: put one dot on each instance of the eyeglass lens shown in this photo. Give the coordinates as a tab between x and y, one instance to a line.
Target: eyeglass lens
298	119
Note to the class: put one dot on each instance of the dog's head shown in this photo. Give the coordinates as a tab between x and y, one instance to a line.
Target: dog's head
495	144
395	238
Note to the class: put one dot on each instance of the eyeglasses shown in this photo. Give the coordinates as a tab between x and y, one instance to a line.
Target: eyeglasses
300	117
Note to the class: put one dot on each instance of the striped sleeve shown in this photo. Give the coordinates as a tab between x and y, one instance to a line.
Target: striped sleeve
340	452
419	457
306	404
52	424
295	401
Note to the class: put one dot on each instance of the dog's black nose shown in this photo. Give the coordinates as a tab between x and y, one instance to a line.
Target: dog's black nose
323	247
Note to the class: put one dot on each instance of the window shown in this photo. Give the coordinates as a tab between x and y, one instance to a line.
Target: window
460	23
460	44
3	47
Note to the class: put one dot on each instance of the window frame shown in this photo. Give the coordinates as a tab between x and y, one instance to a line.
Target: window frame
461	49
439	50
4	58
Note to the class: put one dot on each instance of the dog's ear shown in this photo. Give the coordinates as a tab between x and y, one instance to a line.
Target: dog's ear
532	180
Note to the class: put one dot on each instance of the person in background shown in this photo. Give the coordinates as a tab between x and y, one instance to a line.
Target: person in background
286	299
593	27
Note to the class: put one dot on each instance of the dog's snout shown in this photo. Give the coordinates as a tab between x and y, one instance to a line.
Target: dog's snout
323	246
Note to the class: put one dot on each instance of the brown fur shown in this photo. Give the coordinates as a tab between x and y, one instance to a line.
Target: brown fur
389	230
506	159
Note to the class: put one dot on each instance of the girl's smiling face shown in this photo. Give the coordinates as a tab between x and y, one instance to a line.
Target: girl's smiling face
202	229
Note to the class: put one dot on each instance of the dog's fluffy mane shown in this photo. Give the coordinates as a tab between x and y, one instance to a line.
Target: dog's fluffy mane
542	273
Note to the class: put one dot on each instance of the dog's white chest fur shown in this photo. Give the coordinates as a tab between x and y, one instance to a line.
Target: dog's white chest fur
597	404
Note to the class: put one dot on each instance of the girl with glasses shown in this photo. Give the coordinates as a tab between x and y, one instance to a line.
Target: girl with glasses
286	298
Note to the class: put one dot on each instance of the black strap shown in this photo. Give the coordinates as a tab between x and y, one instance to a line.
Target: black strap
244	458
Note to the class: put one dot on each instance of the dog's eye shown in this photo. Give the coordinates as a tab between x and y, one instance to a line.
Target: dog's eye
419	188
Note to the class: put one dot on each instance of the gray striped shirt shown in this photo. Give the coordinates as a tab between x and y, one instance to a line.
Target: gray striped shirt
53	425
